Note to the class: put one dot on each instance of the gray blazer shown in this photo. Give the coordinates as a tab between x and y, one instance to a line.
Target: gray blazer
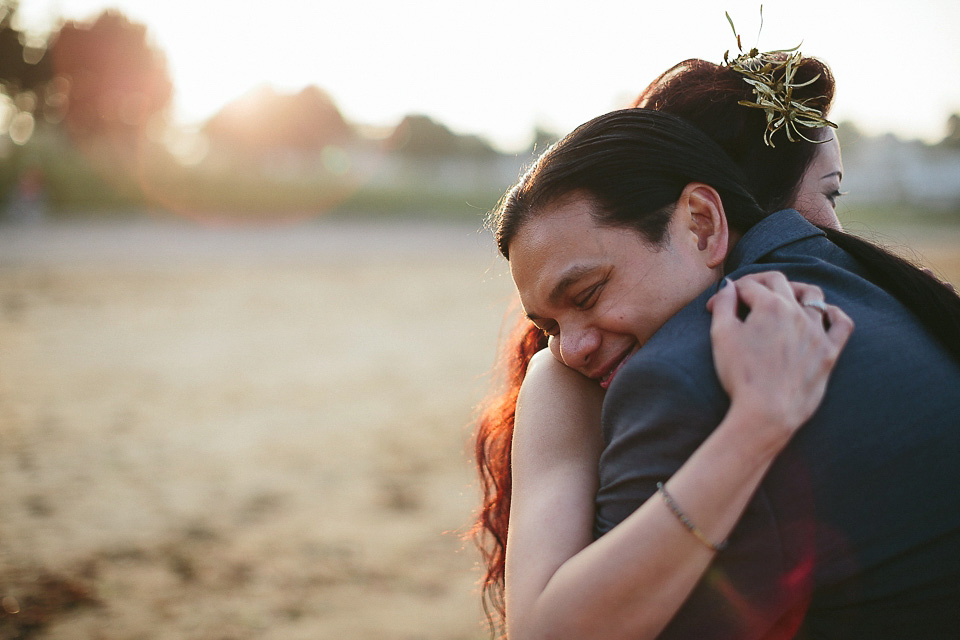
855	531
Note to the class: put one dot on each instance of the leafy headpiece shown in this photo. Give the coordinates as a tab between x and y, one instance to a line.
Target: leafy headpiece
771	74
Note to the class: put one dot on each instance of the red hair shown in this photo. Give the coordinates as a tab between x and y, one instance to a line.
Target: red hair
706	95
492	449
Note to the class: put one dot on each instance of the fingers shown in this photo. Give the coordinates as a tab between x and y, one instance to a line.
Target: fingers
820	309
778	283
755	288
775	281
771	292
723	304
776	361
841	326
804	292
771	288
811	298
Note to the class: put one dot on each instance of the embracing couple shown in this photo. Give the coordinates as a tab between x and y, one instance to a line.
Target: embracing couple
724	417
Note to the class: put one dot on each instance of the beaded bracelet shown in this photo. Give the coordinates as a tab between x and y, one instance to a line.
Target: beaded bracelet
682	517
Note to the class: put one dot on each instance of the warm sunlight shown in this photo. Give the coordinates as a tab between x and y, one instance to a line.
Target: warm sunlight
500	67
261	356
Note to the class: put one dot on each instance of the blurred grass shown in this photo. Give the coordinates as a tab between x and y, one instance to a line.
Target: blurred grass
898	214
103	180
926	237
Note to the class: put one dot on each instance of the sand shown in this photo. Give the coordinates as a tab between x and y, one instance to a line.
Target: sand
222	433
241	433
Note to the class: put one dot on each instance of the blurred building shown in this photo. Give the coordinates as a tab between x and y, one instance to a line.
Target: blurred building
885	170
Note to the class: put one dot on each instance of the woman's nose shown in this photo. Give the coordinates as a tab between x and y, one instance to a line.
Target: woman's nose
576	347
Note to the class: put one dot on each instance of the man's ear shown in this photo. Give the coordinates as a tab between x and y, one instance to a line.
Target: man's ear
706	220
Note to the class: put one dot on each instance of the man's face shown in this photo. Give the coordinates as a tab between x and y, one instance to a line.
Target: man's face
602	291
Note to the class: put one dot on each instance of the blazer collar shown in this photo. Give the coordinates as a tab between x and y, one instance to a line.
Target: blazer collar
773	232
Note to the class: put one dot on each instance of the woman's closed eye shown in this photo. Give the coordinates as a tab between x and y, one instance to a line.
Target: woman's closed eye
833	195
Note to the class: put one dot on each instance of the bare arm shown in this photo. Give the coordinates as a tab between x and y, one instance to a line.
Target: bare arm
556	445
630	582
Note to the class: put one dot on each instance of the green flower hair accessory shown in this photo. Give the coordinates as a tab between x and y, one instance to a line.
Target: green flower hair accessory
771	74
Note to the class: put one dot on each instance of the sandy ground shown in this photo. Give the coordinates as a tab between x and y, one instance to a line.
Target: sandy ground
226	433
250	433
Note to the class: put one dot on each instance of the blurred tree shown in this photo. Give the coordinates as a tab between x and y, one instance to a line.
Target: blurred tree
421	136
23	66
542	138
848	131
952	139
264	121
116	80
25	75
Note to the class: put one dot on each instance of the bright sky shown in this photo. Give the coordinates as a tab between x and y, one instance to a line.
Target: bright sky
498	67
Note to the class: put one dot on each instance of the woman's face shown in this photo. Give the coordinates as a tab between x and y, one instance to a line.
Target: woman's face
819	187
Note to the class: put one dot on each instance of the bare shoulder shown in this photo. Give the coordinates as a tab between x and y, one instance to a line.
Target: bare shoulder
557	408
547	375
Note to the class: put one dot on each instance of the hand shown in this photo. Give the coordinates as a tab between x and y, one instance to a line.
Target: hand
775	362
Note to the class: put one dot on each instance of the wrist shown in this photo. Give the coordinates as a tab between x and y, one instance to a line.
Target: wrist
761	429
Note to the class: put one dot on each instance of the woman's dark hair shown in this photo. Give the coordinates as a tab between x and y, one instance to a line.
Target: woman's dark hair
722	146
934	303
708	96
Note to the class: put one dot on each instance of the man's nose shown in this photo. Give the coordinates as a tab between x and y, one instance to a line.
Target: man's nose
577	346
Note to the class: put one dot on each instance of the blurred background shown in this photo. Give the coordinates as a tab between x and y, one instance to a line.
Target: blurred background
247	305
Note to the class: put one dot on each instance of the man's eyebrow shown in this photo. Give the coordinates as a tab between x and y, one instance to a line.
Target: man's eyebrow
567	279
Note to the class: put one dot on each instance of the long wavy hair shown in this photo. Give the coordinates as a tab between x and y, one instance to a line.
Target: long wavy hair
759	180
492	450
